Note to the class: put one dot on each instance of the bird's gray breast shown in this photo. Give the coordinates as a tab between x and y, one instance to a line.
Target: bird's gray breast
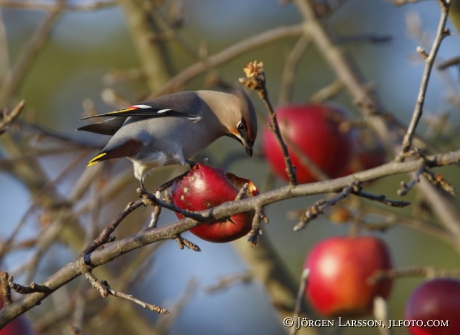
165	141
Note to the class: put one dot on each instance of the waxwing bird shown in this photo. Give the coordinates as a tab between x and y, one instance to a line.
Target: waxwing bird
173	128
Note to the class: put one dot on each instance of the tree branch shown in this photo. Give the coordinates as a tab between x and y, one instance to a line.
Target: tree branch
170	231
429	61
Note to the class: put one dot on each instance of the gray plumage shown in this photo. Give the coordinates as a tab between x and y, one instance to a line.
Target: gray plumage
173	128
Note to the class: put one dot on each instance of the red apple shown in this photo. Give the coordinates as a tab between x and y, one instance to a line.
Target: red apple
339	270
432	302
206	187
368	152
315	131
18	326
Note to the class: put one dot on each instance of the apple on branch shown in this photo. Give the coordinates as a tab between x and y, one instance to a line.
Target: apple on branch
435	300
340	268
206	187
313	131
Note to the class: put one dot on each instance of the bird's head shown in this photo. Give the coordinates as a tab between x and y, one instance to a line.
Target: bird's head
241	120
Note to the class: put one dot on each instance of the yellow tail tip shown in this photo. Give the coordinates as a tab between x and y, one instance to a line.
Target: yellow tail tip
95	160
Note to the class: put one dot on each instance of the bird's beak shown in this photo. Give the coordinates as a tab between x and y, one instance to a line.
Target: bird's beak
248	147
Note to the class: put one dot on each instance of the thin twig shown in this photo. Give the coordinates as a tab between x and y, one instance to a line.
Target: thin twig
373	38
183	242
413	271
255	79
155	215
429	61
148	236
287	81
6	289
255	230
405	188
226	55
49	6
242	193
153	308
179	305
106	235
95	283
230	280
354	188
299	299
32	288
380	198
10	117
307	163
319	207
455	61
28	55
150	199
327	92
438	180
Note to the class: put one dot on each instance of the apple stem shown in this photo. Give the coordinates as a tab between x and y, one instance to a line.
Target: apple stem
256	80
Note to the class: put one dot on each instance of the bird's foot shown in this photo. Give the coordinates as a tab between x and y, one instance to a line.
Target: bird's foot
142	190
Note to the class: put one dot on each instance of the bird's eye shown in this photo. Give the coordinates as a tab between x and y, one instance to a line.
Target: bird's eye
241	126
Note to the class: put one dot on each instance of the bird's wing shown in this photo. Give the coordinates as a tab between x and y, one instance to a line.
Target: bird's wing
147	111
106	127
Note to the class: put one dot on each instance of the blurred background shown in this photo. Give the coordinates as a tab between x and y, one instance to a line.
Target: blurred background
90	62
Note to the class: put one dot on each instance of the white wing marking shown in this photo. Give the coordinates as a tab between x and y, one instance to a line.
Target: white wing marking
143	106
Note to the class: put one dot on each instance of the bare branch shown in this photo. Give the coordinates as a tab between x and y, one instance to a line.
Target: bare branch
230	280
183	242
429	61
287	82
414	271
28	55
10	117
169	231
226	55
6	289
255	230
299	299
153	308
32	288
49	6
455	61
256	80
242	193
380	198
372	38
106	235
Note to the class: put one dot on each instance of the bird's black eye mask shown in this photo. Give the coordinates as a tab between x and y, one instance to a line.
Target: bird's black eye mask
241	126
